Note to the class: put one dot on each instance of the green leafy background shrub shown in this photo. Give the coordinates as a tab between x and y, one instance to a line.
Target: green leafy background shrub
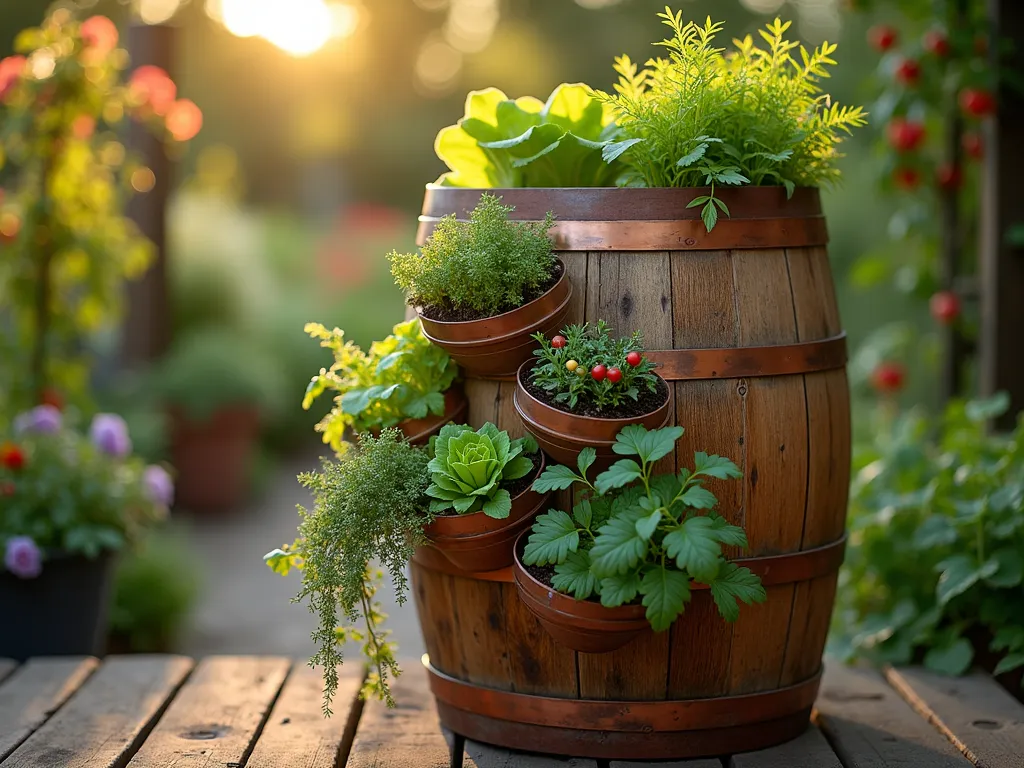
488	264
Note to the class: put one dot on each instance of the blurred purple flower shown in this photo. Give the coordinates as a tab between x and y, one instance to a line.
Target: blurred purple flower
159	486
109	433
42	418
23	557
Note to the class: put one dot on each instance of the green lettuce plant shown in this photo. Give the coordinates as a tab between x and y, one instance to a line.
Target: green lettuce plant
401	377
935	563
525	142
468	468
634	533
707	117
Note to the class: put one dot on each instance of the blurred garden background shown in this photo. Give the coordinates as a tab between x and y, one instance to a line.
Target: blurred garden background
319	118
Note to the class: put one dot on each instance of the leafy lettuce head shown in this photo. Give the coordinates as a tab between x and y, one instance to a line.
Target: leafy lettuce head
468	468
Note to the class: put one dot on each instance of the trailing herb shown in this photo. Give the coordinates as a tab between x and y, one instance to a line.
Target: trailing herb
525	142
935	563
636	534
585	363
483	267
704	117
468	468
402	377
369	506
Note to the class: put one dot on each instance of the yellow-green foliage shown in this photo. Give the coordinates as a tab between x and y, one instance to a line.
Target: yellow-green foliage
401	377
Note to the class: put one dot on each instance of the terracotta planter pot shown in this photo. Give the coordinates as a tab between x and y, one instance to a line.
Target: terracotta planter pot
419	431
476	542
212	458
563	435
581	625
494	347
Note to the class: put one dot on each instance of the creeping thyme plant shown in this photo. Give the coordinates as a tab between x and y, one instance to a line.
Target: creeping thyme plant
585	362
402	377
485	266
633	533
707	117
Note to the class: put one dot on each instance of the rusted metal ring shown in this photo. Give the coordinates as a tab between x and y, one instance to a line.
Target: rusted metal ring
789	568
750	362
622	716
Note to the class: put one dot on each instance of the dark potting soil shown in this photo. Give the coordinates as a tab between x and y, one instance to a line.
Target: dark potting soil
545	573
645	403
514	487
456	315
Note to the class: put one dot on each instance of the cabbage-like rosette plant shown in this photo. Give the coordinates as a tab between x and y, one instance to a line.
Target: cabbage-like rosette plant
469	466
525	142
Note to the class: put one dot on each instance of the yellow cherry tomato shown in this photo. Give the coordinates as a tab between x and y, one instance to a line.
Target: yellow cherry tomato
581	371
571	365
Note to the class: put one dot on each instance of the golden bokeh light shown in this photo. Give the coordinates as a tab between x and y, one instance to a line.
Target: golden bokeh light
437	66
143	180
157	11
298	27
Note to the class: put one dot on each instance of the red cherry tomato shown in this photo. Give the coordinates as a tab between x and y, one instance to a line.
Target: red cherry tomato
977	102
949	176
973	145
11	456
558	342
905	135
614	375
599	372
634	359
882	37
888	377
945	307
936	42
908	72
906	178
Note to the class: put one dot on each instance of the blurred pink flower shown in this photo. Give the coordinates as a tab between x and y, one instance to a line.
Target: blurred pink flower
184	120
10	70
99	34
153	88
23	558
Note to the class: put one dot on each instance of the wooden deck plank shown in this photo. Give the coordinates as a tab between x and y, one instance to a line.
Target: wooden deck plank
976	713
217	716
870	726
408	735
104	723
32	694
297	735
7	666
485	756
811	750
706	763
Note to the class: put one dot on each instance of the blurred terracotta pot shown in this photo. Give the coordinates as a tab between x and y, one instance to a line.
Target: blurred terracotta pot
212	457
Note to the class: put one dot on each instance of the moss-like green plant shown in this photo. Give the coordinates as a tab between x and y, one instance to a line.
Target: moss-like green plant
468	468
487	265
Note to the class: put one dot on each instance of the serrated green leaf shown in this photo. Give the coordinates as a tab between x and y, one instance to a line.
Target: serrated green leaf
619	589
617	546
698	497
553	537
709	215
695	548
699	200
953	659
573	577
622	472
666	593
715	466
693	156
585	458
556	478
731	176
499	506
735	583
727	533
583	513
646	526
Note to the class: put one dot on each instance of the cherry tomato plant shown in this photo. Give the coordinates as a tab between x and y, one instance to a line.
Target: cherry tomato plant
585	363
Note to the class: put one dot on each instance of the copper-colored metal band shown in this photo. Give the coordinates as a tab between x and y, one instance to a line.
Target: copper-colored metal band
749	362
679	235
623	716
792	567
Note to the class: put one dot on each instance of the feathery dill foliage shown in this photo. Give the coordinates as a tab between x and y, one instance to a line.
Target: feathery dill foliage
488	265
703	116
369	505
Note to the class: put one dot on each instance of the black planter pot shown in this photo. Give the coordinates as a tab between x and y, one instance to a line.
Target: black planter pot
61	612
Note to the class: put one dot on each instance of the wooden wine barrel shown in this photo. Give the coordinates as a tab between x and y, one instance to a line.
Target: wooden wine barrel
745	322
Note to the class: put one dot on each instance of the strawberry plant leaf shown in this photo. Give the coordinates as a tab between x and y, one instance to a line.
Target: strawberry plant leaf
619	589
585	458
617	546
735	583
646	526
698	497
727	533
556	478
622	472
665	594
583	513
695	548
554	536
715	466
573	577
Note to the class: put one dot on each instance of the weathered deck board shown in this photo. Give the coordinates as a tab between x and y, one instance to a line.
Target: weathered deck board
32	694
485	756
809	751
217	716
870	726
108	719
674	764
297	735
408	735
975	713
6	667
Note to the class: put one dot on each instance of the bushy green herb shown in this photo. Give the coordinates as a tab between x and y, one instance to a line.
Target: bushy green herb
525	142
935	563
702	117
468	468
589	364
488	265
636	534
402	377
369	506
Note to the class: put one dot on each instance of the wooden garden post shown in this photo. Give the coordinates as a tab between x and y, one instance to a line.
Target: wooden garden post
1002	264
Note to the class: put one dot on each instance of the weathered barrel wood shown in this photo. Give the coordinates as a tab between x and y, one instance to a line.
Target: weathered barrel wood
789	433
